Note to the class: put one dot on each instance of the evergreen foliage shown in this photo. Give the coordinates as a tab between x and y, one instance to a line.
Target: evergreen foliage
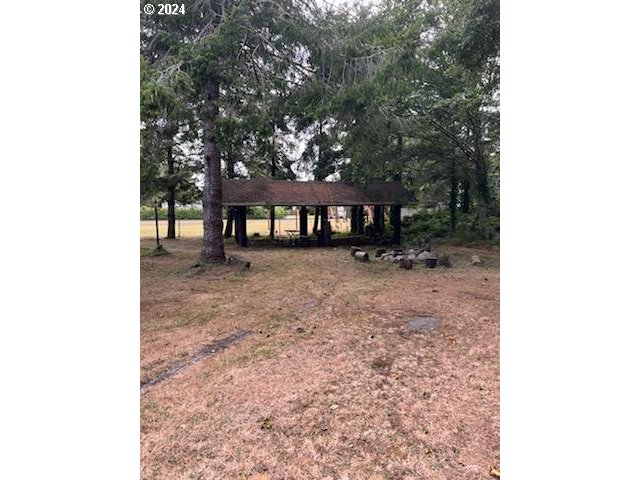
399	90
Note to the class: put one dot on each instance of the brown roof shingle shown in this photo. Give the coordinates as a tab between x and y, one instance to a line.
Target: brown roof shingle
290	193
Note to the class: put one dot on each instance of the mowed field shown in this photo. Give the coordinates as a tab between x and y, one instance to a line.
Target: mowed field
193	228
330	382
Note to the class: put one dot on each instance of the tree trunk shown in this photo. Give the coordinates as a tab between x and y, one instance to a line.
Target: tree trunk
212	241
171	196
466	196
453	195
398	168
272	222
482	181
272	210
228	228
157	229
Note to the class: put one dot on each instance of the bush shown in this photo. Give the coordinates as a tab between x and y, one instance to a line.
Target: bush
263	212
257	213
182	213
281	212
436	224
146	213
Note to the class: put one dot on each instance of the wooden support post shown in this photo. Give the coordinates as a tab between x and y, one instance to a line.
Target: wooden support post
243	239
396	222
324	234
360	220
228	228
378	219
326	228
354	219
304	216
236	221
241	226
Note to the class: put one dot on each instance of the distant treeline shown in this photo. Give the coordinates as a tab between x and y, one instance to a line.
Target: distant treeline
191	213
147	213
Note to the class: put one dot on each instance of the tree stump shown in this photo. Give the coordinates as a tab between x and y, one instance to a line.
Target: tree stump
354	250
406	264
361	256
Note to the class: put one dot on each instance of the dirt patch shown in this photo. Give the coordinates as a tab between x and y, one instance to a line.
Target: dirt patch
422	323
204	352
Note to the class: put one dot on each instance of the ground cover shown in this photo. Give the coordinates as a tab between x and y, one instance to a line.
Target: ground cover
333	382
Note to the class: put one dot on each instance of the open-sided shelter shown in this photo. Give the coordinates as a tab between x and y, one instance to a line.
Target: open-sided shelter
241	194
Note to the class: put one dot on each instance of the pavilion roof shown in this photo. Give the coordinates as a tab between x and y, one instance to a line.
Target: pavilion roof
256	192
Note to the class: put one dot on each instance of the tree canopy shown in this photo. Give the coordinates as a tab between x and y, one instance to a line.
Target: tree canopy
405	90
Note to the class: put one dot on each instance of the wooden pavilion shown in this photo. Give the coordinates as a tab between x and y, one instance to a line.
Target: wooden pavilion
241	194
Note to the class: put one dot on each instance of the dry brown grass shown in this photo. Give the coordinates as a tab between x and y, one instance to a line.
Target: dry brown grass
194	228
331	384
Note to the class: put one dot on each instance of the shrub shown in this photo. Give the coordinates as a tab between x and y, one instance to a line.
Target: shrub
281	212
263	212
435	223
257	213
192	213
182	213
146	213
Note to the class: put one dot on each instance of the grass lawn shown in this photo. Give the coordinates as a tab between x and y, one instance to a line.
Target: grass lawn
193	228
331	383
